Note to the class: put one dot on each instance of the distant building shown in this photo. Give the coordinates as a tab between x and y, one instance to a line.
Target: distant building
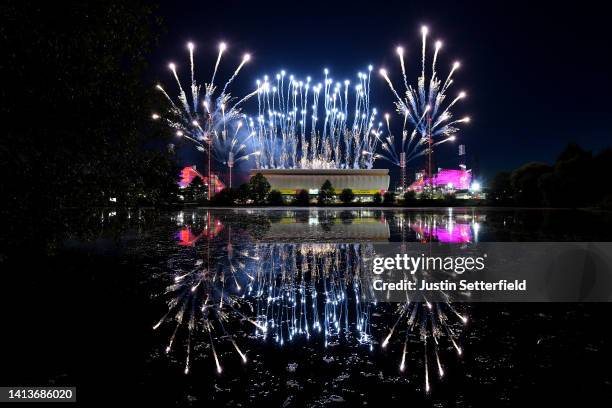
363	182
445	179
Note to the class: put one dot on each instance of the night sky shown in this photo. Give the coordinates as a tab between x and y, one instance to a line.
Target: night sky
537	76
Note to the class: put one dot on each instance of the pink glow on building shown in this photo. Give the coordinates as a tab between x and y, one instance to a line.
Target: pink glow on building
189	173
451	233
456	179
186	237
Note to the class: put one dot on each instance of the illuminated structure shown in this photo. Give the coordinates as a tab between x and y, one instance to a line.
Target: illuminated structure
190	172
363	182
445	179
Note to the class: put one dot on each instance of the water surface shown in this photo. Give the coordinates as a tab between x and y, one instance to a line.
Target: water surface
242	306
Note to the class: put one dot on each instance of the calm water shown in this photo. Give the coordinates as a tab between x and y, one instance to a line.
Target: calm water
238	307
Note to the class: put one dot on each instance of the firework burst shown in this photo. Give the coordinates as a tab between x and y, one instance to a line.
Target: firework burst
427	116
209	118
302	124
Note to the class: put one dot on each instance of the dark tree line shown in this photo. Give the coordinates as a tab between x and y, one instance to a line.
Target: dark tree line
256	191
578	178
76	105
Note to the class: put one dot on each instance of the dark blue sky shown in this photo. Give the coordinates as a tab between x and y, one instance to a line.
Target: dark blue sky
538	75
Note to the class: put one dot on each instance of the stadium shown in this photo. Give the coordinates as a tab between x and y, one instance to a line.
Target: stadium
364	182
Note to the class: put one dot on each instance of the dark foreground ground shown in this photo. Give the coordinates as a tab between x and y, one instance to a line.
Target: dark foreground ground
83	316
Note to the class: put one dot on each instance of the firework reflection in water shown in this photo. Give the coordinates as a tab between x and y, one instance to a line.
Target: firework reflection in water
437	325
203	299
305	289
289	291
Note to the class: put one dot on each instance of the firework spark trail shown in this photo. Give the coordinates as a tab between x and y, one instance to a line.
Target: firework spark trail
422	107
305	125
424	32
403	363
430	321
435	59
302	288
155	116
246	98
448	80
427	387
205	121
383	72
194	86
245	59
440	369
402	311
201	298
182	95
222	48
400	52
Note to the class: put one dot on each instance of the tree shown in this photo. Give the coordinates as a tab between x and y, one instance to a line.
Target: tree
197	191
347	196
388	198
302	198
376	198
409	197
572	182
243	194
602	164
227	196
79	70
156	187
326	193
575	180
258	188
91	103
525	183
275	198
449	199
500	189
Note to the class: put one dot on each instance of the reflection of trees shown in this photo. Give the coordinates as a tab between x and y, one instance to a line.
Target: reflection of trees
347	217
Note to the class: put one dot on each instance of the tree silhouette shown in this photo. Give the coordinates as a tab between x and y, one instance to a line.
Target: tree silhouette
259	188
347	196
326	193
